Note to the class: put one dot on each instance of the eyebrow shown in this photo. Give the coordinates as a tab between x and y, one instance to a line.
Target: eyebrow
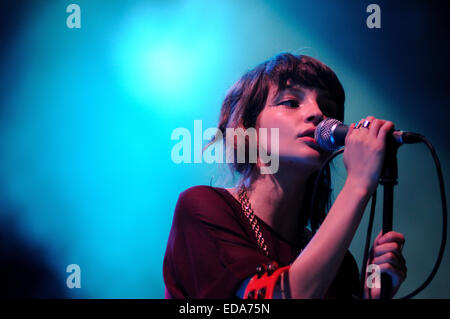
326	103
299	92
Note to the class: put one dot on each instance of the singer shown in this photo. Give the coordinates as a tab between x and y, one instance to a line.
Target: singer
225	241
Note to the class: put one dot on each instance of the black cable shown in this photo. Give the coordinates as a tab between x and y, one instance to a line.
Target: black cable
444	220
362	274
370	226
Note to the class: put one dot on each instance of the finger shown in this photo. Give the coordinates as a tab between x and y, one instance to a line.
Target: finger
397	275
375	127
391	236
379	257
358	126
386	248
384	130
378	237
369	119
360	122
391	258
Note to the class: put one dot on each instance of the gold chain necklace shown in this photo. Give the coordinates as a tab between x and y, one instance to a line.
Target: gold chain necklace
248	212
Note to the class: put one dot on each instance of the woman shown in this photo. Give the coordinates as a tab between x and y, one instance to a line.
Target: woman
220	237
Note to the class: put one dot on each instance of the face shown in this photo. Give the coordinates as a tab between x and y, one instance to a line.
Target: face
296	112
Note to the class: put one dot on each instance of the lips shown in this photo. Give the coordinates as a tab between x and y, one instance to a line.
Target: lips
308	139
308	133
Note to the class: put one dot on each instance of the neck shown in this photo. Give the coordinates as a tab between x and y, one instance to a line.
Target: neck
278	198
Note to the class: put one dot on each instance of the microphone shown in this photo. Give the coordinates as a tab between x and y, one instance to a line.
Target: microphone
330	135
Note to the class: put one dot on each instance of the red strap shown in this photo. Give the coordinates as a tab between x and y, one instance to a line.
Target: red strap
262	285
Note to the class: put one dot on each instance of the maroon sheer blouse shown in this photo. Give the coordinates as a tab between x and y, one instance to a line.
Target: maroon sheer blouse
212	249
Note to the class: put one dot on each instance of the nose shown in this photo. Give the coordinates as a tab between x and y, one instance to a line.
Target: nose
314	114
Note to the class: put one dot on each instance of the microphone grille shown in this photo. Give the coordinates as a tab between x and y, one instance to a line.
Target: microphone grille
323	134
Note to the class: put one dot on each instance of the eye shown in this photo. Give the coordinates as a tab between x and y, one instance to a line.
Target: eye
290	103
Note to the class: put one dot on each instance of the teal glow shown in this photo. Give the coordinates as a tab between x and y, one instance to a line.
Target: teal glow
166	56
88	114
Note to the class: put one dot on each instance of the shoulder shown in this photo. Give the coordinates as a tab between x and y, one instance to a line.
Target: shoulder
201	196
205	202
199	191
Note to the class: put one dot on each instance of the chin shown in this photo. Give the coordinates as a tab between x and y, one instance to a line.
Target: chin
310	161
303	155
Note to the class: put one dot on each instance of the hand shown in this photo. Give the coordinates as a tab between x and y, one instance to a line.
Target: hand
364	153
386	252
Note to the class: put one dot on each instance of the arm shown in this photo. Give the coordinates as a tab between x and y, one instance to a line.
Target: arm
386	253
313	271
323	255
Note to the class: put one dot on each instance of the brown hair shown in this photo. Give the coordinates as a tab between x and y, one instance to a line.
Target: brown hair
247	97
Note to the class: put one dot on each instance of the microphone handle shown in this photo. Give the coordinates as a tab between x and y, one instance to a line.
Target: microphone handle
339	132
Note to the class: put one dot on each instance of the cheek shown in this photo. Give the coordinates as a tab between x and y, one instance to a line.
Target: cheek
277	119
270	121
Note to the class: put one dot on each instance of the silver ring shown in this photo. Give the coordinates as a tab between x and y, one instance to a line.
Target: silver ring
366	124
